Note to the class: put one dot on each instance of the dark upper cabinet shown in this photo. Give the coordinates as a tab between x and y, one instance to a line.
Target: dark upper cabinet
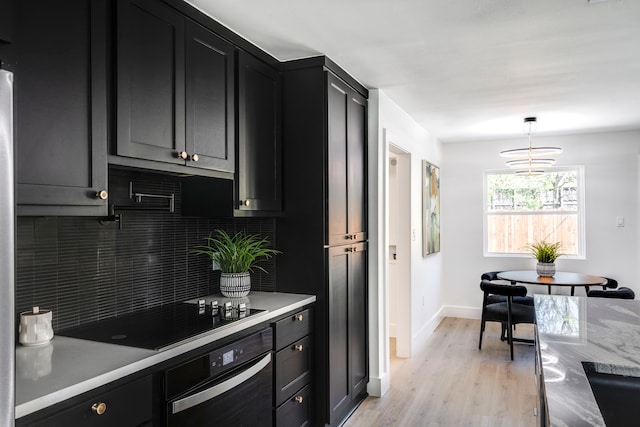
175	89
258	181
6	23
150	81
347	329
60	99
210	104
346	138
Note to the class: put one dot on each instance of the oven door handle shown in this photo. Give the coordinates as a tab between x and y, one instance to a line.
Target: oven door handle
218	389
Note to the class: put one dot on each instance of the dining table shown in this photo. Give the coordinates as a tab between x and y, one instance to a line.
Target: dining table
560	278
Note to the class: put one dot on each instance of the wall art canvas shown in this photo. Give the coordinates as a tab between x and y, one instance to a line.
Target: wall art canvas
430	208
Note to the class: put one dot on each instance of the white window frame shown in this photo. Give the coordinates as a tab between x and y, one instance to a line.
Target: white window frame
580	184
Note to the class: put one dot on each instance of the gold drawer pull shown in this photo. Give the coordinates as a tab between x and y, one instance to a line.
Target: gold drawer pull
298	399
299	347
182	155
99	408
299	317
102	195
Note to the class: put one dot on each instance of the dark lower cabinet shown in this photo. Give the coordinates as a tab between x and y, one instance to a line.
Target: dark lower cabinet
175	90
293	369
347	330
259	171
128	405
294	412
61	107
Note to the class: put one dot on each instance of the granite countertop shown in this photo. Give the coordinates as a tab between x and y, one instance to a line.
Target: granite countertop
572	330
67	367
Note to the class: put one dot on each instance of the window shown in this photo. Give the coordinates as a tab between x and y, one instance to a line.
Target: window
521	210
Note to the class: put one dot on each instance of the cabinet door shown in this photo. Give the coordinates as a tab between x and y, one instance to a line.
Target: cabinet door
348	364
346	171
357	166
150	81
210	99
60	90
258	183
129	405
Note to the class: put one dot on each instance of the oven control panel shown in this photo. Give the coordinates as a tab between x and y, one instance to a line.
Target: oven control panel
239	352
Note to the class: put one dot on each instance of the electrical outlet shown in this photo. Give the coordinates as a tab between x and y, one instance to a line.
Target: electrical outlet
619	221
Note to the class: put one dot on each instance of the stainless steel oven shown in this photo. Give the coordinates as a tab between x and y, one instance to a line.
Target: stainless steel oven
231	385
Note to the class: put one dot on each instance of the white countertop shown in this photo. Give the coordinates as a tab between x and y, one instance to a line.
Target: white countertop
572	330
67	367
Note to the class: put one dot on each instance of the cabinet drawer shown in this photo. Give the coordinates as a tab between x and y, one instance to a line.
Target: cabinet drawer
296	411
293	327
128	405
292	368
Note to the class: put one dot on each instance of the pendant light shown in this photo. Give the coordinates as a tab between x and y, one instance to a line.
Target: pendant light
530	160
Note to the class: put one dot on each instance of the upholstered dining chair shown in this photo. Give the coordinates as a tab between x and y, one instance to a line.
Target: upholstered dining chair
611	283
491	299
621	293
507	313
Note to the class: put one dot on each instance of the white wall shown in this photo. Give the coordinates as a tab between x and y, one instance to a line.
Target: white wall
386	118
611	162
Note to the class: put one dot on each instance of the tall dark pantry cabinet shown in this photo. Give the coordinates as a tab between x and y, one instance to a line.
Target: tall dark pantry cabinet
323	232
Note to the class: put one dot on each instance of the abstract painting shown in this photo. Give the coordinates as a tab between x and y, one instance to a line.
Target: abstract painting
430	208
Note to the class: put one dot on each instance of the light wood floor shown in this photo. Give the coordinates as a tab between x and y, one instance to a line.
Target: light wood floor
451	383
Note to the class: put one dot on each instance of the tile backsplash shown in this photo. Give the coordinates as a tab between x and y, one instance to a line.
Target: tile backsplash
86	268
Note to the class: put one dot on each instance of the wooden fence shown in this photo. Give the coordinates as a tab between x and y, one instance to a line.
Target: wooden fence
513	233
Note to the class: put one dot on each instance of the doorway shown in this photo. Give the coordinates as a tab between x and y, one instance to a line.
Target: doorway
398	239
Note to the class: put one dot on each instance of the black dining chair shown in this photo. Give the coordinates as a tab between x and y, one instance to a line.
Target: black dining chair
611	283
492	299
621	293
507	313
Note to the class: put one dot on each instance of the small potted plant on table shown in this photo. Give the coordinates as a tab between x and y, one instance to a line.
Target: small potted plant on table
546	254
236	256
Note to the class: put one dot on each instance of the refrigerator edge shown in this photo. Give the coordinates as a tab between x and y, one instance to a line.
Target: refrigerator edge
7	247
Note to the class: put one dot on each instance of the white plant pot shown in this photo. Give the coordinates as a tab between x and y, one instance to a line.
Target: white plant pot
235	284
546	269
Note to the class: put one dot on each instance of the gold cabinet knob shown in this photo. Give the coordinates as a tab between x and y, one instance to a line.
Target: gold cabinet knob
299	347
99	408
194	157
182	155
245	202
298	399
102	194
299	317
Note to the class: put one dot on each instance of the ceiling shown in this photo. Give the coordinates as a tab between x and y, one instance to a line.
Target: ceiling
467	69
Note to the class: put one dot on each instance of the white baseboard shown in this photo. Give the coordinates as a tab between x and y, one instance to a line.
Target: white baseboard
461	312
378	386
420	339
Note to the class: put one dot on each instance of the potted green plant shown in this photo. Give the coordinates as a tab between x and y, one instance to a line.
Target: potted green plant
236	256
546	254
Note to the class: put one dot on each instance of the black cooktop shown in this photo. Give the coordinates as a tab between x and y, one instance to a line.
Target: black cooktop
156	328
